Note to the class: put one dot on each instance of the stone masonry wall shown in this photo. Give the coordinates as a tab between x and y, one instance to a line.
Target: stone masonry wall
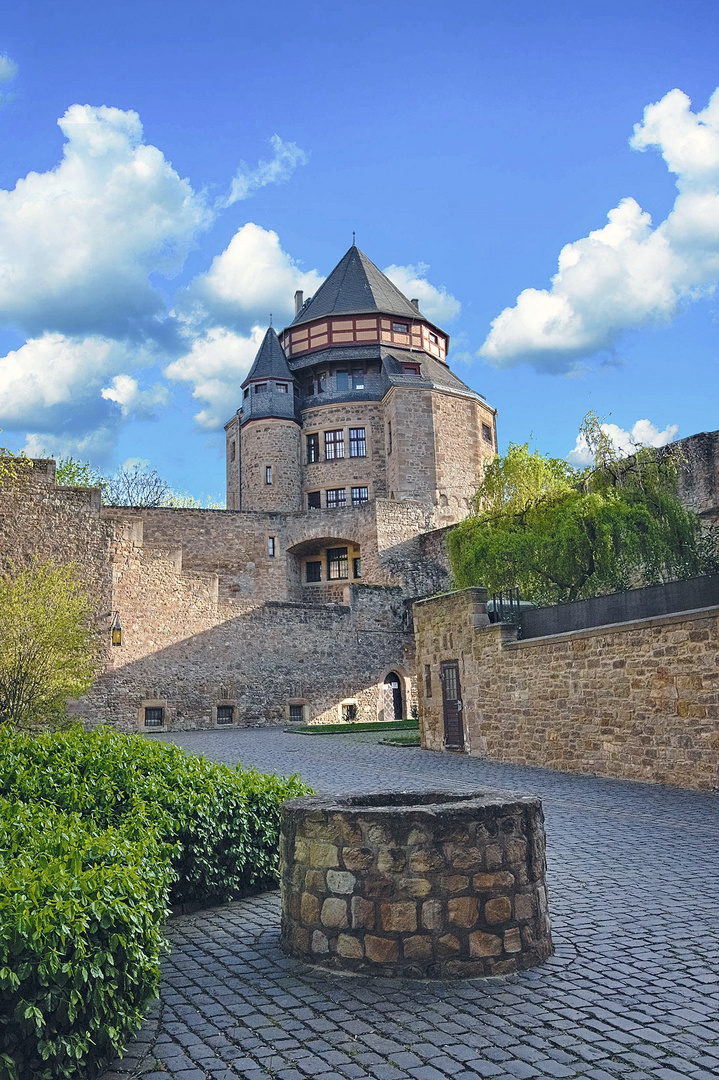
635	700
276	443
346	472
462	452
699	474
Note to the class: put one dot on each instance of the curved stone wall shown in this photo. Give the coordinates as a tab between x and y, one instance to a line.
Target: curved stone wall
416	883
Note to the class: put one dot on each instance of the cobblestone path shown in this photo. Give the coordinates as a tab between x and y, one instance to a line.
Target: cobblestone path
632	992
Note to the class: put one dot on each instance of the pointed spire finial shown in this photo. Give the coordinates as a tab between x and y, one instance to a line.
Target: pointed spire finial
353	239
270	318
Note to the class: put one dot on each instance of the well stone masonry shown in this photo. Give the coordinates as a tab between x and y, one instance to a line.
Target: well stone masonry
638	700
416	884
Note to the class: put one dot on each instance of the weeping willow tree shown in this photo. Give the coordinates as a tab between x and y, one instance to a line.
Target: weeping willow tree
561	534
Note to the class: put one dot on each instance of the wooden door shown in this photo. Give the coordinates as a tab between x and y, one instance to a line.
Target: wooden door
452	705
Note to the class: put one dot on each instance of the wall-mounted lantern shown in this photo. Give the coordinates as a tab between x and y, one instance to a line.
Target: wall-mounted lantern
116	630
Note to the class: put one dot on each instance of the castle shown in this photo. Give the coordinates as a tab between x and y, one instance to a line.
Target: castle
354	448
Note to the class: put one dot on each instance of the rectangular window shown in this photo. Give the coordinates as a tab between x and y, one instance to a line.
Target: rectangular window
334	445
260	387
154	716
313	447
232	450
322	382
410	369
271	546
309	389
434	339
342	380
225	714
357	378
358	443
282	387
427	681
487	433
246	392
360	495
400	327
389	437
268	474
337	565
357	567
297	713
336	497
313	571
314	500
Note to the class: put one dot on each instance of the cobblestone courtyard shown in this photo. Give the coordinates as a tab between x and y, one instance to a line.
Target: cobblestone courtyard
632	992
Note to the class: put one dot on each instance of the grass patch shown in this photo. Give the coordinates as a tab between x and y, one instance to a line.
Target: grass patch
410	738
347	729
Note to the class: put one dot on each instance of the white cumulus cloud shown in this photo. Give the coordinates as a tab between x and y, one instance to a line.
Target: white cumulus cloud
436	303
251	279
78	243
629	273
216	366
643	433
248	179
125	392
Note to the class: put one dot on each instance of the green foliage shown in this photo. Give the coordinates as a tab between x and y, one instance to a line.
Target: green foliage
71	472
97	831
10	464
188	502
48	649
81	911
562	534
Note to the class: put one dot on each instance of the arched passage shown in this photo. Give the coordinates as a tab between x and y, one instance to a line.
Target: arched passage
393	697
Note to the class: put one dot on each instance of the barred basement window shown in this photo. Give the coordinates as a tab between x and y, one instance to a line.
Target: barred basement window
334	445
487	433
297	713
358	443
360	496
225	714
313	500
313	447
337	565
154	716
336	497
313	571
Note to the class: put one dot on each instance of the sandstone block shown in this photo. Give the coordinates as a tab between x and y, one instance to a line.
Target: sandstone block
426	860
481	944
390	860
448	945
315	881
497	910
334	913
493	857
467	858
310	909
350	946
523	907
363	914
323	853
320	943
381	950
416	886
463	910
455	883
488	882
340	881
355	858
512	940
417	948
400	916
432	915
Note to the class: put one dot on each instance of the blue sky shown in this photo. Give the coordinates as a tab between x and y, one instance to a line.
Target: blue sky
212	158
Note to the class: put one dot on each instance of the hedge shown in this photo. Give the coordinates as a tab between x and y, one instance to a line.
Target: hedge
99	832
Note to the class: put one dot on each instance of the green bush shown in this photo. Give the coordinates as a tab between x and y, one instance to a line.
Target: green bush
81	911
98	832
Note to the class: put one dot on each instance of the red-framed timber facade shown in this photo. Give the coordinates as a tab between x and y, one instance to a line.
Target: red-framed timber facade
364	330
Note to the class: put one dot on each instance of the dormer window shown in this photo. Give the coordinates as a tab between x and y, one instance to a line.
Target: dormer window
410	369
434	340
282	387
261	388
358	378
342	380
400	327
247	392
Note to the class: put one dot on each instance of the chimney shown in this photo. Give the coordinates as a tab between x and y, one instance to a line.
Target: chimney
415	303
298	301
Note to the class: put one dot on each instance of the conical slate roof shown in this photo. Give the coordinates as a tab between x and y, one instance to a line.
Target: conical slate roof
356	287
270	362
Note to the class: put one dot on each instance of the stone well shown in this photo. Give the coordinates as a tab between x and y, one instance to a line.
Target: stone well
416	883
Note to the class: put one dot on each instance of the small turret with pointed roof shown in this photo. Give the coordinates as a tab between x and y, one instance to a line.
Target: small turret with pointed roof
269	388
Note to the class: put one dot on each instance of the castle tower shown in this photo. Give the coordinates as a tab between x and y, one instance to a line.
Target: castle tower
265	435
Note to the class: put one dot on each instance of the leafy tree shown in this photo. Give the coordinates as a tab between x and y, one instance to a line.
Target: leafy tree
71	472
48	649
561	534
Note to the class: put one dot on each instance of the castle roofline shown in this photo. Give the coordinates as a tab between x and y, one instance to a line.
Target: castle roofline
356	287
270	362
